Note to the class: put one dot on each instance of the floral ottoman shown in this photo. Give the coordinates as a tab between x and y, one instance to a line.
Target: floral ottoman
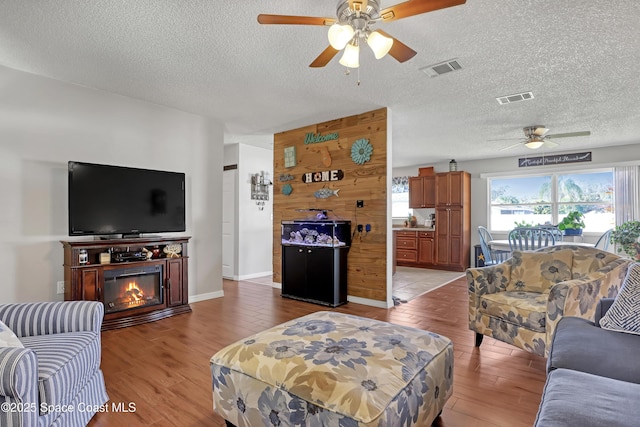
333	369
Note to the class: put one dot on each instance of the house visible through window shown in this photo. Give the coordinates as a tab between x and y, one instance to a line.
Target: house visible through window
540	199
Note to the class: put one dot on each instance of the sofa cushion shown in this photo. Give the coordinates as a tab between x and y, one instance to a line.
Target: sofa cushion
580	345
526	309
575	399
624	314
7	337
538	271
587	260
65	363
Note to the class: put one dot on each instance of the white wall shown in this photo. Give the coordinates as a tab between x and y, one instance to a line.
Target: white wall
255	227
45	123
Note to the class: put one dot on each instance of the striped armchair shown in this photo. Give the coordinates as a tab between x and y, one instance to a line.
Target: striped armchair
56	378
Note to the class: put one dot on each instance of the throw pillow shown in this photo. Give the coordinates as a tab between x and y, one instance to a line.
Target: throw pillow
624	313
8	338
538	271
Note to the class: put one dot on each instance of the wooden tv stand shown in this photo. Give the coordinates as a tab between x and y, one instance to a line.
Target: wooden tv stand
86	282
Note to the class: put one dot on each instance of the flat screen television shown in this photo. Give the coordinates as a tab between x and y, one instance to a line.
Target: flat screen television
112	200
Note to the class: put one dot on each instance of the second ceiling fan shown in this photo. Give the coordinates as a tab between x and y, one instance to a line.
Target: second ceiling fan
353	27
537	136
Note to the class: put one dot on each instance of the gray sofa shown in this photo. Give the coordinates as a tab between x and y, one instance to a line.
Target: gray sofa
55	380
593	376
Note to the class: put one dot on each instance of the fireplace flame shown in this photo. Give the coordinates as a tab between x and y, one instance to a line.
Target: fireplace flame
133	294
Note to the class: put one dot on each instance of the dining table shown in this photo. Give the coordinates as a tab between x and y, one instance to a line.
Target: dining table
503	245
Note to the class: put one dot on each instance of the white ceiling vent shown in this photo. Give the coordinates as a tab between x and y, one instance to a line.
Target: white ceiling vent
508	99
442	68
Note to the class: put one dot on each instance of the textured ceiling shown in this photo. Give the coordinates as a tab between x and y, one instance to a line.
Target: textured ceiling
579	58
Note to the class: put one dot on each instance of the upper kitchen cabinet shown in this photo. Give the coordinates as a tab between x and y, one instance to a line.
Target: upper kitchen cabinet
452	188
422	192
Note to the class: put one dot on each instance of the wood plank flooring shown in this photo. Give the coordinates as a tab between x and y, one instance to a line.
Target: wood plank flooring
162	368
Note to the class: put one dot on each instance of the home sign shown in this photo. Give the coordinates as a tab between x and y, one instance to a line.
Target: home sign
324	176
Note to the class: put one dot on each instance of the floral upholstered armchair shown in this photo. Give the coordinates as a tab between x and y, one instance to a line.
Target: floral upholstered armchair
521	300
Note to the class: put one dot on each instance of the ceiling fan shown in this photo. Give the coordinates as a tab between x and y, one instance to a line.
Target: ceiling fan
353	27
537	136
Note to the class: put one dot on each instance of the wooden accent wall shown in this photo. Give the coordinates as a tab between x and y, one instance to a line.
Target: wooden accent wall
368	254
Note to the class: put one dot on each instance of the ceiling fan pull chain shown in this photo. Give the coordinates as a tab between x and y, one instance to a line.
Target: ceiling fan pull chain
358	76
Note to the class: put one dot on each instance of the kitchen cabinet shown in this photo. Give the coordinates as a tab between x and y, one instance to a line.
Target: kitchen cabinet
426	247
453	220
415	248
422	191
452	188
406	248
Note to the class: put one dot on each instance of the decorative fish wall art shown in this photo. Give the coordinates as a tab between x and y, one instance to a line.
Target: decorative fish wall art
325	193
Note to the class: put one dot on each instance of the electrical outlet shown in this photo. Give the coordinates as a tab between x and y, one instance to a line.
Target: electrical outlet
359	228
359	203
61	287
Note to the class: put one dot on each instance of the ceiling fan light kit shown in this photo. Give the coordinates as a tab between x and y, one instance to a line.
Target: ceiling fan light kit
353	26
351	56
340	35
534	144
379	44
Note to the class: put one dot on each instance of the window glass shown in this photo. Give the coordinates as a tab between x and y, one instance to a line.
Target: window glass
400	197
540	199
591	194
522	202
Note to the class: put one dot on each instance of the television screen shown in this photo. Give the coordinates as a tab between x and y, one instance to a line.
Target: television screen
107	199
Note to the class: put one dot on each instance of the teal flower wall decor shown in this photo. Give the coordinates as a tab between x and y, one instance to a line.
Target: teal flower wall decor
361	151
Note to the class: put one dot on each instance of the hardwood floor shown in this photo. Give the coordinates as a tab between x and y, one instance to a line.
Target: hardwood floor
162	368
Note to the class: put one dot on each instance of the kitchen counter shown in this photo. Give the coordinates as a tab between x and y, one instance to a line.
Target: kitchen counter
419	228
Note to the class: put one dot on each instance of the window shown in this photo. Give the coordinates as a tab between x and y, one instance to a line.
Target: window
540	199
400	197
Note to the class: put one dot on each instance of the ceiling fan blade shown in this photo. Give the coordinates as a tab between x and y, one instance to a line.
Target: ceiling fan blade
511	146
400	51
416	7
550	144
324	58
294	20
570	134
541	131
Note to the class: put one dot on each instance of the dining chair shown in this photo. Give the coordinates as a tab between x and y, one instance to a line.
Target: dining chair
604	240
557	233
530	238
491	256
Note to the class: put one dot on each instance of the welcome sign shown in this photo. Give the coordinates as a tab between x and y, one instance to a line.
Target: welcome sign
314	138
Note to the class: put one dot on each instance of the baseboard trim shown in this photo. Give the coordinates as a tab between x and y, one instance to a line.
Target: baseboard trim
252	275
204	297
369	302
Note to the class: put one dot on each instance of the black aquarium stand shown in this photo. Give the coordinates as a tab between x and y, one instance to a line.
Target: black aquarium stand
315	274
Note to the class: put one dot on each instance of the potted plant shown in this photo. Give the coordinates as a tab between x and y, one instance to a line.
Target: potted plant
626	237
572	224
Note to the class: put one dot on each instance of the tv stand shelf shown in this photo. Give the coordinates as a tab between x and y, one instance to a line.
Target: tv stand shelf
86	281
